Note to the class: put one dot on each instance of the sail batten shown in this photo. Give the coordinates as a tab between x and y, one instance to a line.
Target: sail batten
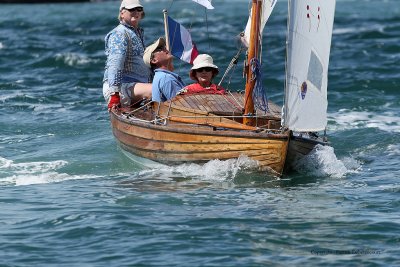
308	47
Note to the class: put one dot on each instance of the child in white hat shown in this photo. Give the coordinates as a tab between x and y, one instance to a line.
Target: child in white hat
203	72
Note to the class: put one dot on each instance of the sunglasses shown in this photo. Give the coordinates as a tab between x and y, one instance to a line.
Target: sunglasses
206	69
158	49
138	9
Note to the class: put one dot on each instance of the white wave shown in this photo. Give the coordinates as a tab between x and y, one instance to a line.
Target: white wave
73	59
339	31
218	169
12	94
45	178
39	172
394	150
358	30
322	161
1	45
48	108
348	119
214	170
19	138
5	163
35	167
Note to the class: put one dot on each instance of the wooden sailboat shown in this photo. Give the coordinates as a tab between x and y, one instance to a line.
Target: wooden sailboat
200	128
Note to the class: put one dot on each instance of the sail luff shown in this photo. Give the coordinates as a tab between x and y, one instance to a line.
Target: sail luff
309	37
286	94
252	53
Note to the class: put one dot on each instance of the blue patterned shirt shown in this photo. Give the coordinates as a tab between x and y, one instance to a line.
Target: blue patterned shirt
124	47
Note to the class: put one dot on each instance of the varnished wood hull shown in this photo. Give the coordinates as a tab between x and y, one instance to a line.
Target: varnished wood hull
177	142
196	134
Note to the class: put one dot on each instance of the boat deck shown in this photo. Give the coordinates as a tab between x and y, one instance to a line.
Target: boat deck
231	104
227	108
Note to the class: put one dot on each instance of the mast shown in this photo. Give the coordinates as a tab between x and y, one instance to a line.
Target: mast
253	52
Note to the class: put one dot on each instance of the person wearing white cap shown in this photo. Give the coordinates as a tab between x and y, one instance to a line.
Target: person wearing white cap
166	83
203	71
126	77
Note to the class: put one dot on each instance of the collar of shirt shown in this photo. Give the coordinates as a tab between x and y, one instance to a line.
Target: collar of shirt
167	71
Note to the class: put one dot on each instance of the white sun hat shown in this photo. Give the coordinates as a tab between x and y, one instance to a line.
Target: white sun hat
150	49
203	61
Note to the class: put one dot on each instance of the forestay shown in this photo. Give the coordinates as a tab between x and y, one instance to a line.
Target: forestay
308	47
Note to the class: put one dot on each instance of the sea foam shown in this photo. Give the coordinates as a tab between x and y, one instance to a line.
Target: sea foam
39	172
213	170
348	119
73	59
394	150
322	161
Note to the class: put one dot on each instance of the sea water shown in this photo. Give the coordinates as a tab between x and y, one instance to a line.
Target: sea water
70	197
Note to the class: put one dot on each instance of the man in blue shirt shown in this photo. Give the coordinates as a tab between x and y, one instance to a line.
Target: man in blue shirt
166	83
126	77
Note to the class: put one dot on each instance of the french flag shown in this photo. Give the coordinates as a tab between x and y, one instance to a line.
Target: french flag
180	41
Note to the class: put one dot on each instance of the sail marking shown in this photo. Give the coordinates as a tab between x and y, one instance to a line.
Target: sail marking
315	71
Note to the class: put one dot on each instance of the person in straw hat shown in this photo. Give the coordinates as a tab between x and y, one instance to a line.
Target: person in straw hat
166	83
203	72
126	76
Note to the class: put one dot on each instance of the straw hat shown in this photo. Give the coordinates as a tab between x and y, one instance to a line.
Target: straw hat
203	61
150	49
129	4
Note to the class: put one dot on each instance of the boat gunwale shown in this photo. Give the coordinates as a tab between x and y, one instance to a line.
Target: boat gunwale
213	131
317	141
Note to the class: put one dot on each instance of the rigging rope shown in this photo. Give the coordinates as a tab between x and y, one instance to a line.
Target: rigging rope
232	64
260	98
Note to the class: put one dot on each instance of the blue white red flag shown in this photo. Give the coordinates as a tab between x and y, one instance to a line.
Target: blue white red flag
206	3
180	42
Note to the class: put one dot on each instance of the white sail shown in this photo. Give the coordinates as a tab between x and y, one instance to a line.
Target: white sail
308	48
206	3
267	7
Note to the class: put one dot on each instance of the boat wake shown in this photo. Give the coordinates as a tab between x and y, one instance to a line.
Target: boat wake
214	170
322	162
28	173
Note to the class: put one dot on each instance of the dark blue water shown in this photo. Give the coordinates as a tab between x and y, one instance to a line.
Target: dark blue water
70	197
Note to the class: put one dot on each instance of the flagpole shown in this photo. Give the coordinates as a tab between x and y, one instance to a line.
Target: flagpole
166	29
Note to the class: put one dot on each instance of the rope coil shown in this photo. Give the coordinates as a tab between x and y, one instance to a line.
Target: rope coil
260	98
